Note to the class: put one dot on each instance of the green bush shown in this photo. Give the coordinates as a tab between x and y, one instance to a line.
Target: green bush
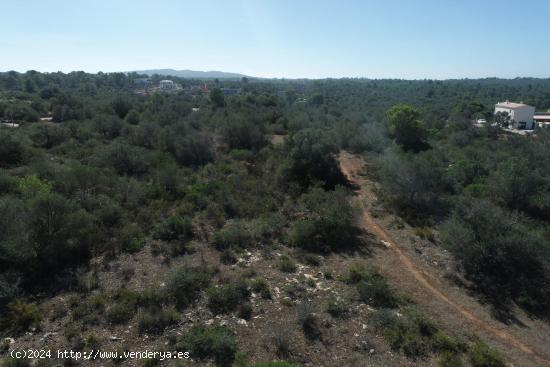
329	223
358	272
226	298
310	259
382	319
500	254
337	308
287	265
155	319
233	235
210	342
482	355
119	313
174	228
308	320
309	160
60	236
449	359
91	310
185	283
260	286
243	134
282	339
274	364
376	292
131	238
20	317
228	257
8	183
13	150
405	337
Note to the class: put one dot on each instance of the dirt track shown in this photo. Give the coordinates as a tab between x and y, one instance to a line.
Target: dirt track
351	166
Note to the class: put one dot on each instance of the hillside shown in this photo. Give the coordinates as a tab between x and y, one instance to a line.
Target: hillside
294	223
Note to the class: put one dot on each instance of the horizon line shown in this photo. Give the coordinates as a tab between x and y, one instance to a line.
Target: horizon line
281	77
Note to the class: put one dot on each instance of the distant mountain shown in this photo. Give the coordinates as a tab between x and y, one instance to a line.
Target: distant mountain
192	74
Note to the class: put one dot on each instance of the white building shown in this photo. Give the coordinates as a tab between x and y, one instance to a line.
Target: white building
542	119
521	115
167	85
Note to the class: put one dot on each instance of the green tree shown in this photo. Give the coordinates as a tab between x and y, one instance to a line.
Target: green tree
405	127
310	159
217	97
121	106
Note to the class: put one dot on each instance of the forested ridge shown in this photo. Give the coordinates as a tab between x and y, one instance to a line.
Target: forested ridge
115	173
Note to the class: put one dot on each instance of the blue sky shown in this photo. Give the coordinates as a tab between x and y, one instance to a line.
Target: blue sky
282	38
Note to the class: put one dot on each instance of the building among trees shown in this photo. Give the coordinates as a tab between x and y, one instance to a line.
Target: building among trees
520	115
542	119
167	85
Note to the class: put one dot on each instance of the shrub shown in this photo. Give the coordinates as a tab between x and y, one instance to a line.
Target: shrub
402	336
425	233
260	286
46	136
228	257
310	259
337	308
329	222
155	319
210	342
8	183
286	264
228	297
376	292
482	355
107	125
132	117
173	228
444	343
281	338
243	134
120	312
358	272
382	319
131	238
274	364
500	254
185	283
13	151
233	235
58	235
308	320
20	317
90	311
309	160
449	359
245	311
193	149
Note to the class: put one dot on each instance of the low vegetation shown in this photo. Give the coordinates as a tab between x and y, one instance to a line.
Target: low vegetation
140	210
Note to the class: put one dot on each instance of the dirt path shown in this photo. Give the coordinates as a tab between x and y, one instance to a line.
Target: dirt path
351	166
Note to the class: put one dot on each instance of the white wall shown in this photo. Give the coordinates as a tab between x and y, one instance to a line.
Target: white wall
520	114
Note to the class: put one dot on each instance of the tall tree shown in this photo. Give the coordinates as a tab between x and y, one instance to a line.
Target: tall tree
405	127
